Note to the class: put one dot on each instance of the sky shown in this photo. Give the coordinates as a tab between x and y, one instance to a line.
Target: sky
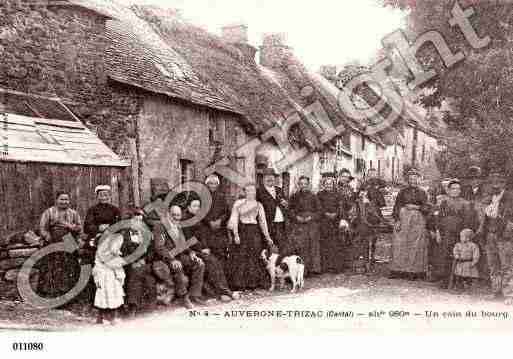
322	32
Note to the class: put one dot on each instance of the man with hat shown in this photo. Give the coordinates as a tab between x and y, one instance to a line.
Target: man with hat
473	190
275	206
497	231
332	247
216	218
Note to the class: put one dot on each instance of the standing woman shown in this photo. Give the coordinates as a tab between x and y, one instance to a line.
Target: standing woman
332	244
246	269
304	235
410	240
59	270
454	215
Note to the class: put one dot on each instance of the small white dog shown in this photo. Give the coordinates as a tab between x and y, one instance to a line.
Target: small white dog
291	267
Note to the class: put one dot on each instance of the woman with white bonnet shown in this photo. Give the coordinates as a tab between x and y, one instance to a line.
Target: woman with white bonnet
98	218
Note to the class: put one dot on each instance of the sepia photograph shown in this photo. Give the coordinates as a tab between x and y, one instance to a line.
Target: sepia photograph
273	167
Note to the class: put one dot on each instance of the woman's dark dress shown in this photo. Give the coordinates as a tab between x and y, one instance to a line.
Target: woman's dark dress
333	246
454	216
246	268
59	271
101	213
304	237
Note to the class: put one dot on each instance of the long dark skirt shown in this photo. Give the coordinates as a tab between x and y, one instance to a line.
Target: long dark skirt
246	268
441	258
59	271
333	246
305	240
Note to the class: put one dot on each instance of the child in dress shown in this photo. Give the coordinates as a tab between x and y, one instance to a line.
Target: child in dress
466	256
109	278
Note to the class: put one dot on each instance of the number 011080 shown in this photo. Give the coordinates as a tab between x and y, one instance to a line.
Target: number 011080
17	346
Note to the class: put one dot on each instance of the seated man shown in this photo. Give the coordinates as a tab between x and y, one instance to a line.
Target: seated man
140	285
186	263
215	279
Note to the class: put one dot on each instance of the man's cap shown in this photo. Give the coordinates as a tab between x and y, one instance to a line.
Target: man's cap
345	171
269	172
328	175
474	172
413	172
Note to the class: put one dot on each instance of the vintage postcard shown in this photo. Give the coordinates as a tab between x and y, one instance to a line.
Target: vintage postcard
272	167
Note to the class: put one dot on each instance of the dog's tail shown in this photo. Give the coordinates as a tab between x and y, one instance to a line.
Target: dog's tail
264	255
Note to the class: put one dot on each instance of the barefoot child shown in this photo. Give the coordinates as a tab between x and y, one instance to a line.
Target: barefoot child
466	255
109	278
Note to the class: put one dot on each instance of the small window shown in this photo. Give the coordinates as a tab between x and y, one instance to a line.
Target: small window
211	131
241	165
346	139
216	130
363	143
324	160
186	171
360	165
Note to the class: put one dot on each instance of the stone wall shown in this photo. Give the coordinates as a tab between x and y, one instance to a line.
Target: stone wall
173	131
58	51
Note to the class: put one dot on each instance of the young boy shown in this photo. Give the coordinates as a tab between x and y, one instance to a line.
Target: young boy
466	255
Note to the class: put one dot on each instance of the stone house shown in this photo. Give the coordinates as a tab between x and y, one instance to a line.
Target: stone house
165	95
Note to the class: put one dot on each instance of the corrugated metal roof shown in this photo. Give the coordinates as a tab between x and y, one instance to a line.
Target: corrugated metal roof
29	139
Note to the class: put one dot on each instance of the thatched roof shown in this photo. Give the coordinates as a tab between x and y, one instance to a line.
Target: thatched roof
106	8
154	50
137	56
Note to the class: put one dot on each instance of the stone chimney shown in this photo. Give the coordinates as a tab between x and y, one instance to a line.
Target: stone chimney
274	51
237	35
329	72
